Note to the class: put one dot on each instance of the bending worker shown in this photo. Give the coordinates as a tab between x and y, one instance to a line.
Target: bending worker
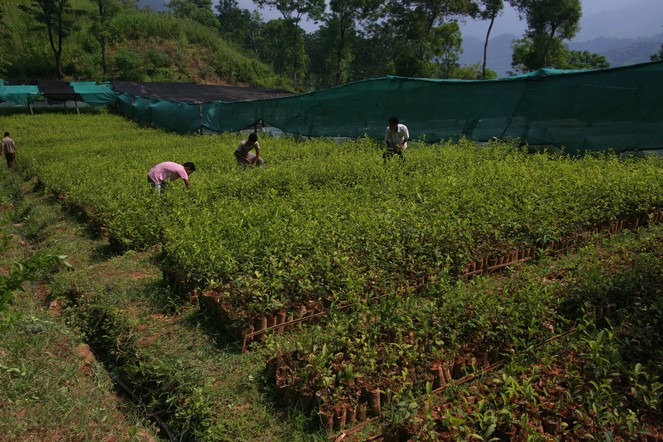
243	152
161	174
396	137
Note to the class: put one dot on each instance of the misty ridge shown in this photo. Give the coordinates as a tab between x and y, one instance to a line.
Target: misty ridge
623	36
617	51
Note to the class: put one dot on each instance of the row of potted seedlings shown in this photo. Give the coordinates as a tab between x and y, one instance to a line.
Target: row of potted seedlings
596	381
318	235
394	349
404	346
254	327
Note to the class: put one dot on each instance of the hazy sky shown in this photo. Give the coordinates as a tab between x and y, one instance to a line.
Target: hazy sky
588	6
507	23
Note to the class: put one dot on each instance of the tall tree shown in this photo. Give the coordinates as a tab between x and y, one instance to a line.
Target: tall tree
107	9
410	27
526	54
491	9
659	56
58	18
197	10
584	60
4	34
283	57
293	11
549	23
239	25
446	45
372	56
342	20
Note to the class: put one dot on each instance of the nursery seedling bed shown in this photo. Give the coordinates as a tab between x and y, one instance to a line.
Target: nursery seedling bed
257	327
334	416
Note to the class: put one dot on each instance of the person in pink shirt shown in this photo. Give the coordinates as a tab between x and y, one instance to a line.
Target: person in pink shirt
161	174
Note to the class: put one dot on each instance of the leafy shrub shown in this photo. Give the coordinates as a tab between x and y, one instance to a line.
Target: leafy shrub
128	63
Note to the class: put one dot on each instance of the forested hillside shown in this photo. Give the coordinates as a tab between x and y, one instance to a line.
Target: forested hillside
104	40
218	42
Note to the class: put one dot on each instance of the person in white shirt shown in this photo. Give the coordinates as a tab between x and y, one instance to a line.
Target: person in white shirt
395	137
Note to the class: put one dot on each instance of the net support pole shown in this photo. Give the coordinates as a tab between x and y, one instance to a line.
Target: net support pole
200	118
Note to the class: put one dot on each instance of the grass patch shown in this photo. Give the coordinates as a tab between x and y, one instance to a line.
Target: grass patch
53	388
168	353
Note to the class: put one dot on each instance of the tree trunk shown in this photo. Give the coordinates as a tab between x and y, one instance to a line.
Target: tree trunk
485	47
57	52
545	54
339	52
104	60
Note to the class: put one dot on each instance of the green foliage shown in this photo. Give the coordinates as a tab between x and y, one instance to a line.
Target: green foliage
447	205
238	47
21	271
57	17
581	386
199	11
585	60
128	63
28	266
133	26
282	46
658	56
473	72
194	52
50	392
550	23
598	378
378	245
527	56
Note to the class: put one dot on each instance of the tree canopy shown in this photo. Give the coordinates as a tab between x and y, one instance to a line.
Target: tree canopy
355	39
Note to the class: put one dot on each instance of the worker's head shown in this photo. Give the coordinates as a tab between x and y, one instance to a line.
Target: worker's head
253	137
189	167
6	134
393	123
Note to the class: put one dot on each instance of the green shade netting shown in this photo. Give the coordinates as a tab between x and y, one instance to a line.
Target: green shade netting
19	94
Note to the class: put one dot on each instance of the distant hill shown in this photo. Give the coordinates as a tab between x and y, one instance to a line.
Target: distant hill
642	18
499	53
621	52
624	36
618	51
